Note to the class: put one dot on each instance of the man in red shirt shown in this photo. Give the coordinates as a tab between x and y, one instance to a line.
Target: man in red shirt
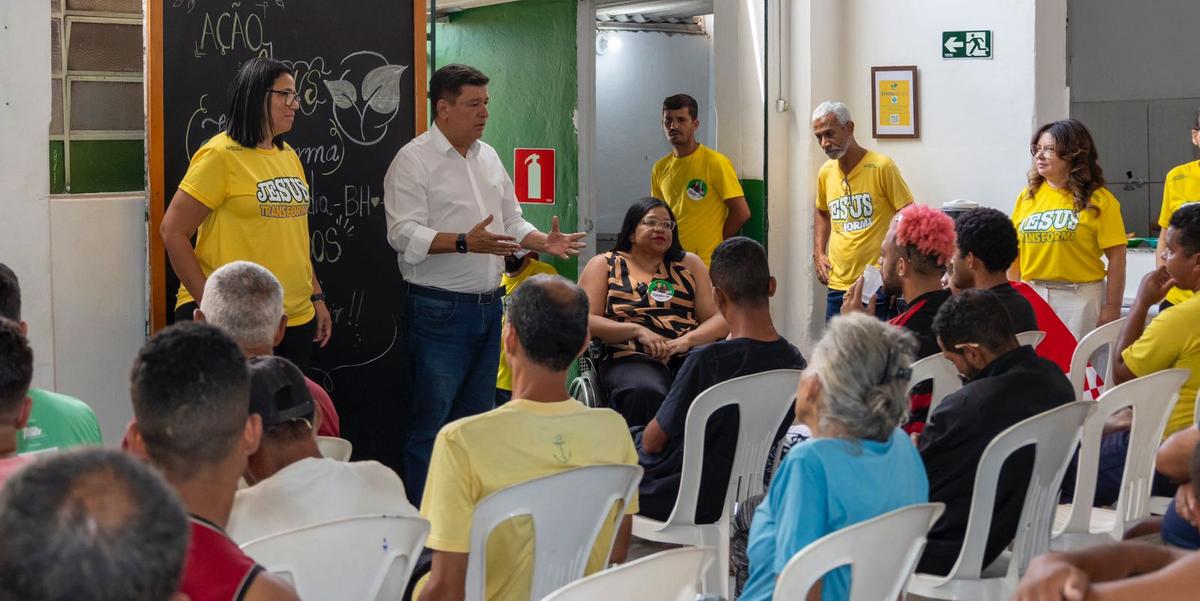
192	419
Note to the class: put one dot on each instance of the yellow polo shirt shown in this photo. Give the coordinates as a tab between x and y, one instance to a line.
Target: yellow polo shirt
259	200
696	187
1059	244
1182	187
510	283
1171	340
860	204
476	456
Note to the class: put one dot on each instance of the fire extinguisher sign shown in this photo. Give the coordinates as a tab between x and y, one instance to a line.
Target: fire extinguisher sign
533	175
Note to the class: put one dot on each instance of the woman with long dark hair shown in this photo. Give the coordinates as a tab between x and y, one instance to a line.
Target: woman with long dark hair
1067	221
245	197
650	302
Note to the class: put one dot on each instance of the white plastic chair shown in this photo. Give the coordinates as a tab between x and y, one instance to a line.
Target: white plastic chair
763	400
1078	524
882	552
672	575
943	373
568	510
1105	335
335	448
1031	338
364	558
1054	435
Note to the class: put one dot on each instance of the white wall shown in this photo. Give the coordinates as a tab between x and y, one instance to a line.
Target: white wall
631	84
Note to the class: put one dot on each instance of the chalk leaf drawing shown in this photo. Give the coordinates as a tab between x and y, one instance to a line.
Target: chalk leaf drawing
343	92
374	104
381	88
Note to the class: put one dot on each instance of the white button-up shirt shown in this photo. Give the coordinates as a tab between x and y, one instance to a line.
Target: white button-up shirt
431	188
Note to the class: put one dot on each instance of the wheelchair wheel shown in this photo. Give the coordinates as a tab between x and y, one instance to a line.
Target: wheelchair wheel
586	387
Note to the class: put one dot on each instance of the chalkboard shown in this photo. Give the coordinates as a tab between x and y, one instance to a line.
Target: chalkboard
357	72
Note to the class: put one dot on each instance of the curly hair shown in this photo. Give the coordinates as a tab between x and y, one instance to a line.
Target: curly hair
989	235
926	235
1073	144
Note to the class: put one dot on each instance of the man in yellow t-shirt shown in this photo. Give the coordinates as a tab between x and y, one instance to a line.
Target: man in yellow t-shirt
525	439
1171	340
1182	187
697	182
518	267
858	193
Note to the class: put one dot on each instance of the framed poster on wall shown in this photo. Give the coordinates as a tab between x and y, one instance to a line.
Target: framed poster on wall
895	102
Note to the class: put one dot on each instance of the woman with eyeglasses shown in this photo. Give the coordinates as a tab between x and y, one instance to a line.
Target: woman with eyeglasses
650	303
1181	187
245	197
1067	224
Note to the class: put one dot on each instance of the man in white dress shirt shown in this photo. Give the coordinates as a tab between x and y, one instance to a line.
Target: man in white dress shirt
292	485
452	217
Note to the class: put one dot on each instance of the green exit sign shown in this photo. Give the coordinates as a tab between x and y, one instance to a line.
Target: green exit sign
967	44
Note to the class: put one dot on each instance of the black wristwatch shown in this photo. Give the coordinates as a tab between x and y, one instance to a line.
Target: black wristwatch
320	296
461	244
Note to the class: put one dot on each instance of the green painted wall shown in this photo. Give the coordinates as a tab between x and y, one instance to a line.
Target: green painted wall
756	199
99	166
527	48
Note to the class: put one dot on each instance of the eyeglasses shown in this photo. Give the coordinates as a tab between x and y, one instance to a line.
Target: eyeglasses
654	224
289	96
1050	151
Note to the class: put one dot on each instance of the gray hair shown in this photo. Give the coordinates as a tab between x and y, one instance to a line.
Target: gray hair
838	109
864	366
245	300
90	524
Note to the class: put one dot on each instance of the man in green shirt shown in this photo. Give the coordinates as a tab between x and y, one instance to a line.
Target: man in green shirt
56	421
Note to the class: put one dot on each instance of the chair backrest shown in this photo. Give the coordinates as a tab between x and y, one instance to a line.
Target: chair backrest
763	400
943	373
568	510
1032	338
335	448
882	552
1152	398
364	558
1053	434
1105	335
672	575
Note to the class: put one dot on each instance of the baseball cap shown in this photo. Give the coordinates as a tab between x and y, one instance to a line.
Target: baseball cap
278	392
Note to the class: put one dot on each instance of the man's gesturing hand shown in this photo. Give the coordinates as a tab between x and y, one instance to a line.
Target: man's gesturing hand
480	240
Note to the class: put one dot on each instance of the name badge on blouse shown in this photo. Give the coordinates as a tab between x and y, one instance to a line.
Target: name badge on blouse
662	290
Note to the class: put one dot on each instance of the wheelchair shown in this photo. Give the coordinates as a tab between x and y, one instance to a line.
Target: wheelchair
586	387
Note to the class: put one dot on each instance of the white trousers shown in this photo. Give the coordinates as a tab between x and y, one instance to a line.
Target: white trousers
1077	305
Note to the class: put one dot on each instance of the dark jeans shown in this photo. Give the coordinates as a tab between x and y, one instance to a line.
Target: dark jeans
637	385
1177	532
454	347
1110	469
883	306
296	346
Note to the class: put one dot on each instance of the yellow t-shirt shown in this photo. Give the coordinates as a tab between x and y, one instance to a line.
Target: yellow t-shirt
696	187
861	205
1181	188
510	283
476	456
1059	244
259	201
1171	340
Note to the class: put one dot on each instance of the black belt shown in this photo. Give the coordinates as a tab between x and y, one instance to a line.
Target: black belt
485	298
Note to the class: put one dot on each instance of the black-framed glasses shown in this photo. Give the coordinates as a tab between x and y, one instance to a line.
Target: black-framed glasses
655	224
289	96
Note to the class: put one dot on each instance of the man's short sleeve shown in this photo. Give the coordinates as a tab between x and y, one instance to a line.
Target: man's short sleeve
206	177
728	185
1112	224
451	492
1168	208
822	199
1159	346
894	186
672	414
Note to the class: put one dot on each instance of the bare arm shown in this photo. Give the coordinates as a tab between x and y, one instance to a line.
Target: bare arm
1170	574
1114	292
712	323
1153	289
654	438
1174	457
821	228
739	214
184	216
447	577
268	587
1056	576
620	550
594	281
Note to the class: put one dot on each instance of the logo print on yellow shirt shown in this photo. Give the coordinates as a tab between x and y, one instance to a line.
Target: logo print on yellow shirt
856	212
697	189
283	197
1057	225
562	454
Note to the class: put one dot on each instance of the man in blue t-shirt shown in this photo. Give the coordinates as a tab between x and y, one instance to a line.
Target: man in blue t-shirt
742	287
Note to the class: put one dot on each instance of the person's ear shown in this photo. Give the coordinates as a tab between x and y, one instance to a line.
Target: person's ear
850	127
719	299
511	342
281	331
26	408
771	286
24	327
198	316
252	434
135	443
442	105
901	266
807	400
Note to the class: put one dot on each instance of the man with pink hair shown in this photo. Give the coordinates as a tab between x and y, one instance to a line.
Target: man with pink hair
916	250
